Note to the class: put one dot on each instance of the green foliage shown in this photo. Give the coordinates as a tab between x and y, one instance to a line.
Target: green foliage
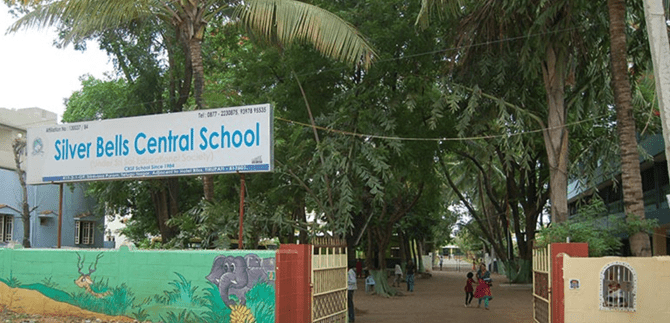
97	99
261	302
185	316
603	234
587	227
47	282
100	286
119	301
12	281
209	222
217	310
467	239
182	295
144	243
140	315
634	224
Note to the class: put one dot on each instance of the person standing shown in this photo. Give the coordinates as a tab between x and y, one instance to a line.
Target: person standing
441	259
351	287
483	291
482	273
411	268
398	276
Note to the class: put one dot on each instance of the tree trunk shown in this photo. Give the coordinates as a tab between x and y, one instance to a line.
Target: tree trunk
381	256
18	148
300	217
25	211
403	246
420	251
556	134
631	179
382	239
208	187
173	194
369	251
412	252
193	32
195	49
161	199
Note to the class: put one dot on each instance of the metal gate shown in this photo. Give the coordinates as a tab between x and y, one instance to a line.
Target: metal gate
542	284
329	280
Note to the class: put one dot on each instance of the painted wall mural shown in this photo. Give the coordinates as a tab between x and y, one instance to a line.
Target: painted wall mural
235	276
147	286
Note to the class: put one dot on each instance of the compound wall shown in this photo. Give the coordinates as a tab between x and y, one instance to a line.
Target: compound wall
648	284
145	285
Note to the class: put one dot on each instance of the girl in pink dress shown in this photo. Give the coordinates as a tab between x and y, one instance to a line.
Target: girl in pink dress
483	292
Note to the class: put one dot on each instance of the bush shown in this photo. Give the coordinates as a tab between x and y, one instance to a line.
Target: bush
602	233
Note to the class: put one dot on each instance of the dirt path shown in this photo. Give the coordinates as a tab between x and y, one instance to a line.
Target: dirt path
441	299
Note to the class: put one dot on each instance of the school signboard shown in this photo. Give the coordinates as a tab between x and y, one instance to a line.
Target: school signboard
213	141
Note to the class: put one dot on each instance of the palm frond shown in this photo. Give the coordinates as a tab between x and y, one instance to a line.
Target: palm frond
83	18
441	7
285	21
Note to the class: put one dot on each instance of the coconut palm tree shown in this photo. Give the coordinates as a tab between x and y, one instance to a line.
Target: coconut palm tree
281	21
631	180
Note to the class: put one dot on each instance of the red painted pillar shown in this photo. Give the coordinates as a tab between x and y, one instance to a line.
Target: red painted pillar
557	282
292	287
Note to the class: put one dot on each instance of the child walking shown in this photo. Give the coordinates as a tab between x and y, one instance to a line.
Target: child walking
469	289
369	283
483	292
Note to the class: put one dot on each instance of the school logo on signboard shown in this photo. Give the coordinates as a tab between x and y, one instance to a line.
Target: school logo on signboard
38	147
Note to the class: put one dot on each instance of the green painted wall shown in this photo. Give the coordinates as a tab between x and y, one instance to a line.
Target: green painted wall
166	285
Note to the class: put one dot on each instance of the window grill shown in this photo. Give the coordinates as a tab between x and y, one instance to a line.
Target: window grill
618	287
84	232
6	227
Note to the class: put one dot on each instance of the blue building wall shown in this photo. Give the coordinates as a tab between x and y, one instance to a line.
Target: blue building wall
44	227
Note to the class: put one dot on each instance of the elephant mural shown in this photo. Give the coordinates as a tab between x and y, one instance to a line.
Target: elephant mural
236	275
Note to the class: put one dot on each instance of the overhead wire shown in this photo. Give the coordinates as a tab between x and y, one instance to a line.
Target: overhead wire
405	57
371	136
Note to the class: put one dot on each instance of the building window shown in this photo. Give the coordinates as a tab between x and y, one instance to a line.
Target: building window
84	232
618	287
6	227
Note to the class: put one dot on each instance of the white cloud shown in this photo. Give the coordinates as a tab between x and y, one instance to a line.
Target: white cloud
34	73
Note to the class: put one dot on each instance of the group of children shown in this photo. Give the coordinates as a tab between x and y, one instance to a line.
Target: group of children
483	290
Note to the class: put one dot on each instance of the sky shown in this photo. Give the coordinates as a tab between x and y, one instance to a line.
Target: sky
34	73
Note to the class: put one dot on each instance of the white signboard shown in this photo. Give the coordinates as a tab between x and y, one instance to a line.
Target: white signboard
213	141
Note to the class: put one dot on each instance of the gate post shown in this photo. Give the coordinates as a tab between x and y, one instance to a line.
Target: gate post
557	250
292	287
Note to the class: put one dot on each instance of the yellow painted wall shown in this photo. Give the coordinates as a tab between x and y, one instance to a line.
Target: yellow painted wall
653	290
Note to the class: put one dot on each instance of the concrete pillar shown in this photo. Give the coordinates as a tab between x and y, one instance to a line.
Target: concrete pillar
660	54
